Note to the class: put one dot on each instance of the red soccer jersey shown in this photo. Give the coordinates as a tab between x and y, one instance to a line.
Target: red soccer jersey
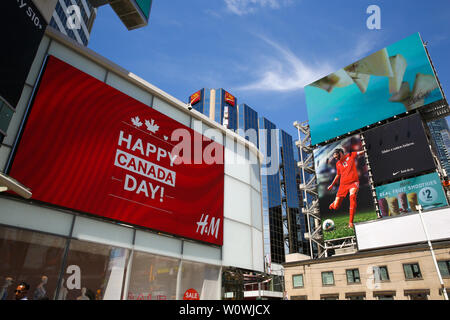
346	168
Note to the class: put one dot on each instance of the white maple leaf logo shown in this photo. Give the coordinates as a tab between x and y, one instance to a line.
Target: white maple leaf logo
136	121
151	126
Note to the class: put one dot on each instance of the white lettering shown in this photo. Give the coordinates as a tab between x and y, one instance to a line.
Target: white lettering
73	17
373	21
74	280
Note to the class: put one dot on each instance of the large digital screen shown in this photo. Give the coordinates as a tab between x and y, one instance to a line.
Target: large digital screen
89	147
21	28
351	190
389	82
398	149
403	196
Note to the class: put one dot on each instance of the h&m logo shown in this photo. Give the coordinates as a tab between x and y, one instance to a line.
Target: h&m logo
209	229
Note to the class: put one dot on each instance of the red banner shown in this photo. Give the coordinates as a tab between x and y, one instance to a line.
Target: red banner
91	148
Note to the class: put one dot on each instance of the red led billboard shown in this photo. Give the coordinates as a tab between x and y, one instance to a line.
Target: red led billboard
89	147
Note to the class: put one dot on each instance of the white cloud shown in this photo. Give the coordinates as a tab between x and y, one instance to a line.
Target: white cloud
243	7
284	71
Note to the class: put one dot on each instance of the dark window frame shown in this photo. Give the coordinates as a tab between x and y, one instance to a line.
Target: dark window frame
415	275
353	275
293	282
327	285
447	264
379	273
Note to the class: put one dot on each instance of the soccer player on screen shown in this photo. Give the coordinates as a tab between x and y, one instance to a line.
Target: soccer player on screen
347	175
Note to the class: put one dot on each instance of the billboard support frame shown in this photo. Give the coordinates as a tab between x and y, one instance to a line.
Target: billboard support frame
309	187
371	183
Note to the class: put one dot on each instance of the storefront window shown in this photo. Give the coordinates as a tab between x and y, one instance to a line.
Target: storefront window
201	279
153	277
32	257
93	272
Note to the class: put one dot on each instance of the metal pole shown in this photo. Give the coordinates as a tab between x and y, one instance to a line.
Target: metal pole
444	291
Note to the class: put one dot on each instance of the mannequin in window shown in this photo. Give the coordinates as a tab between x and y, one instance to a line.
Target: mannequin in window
62	291
40	291
4	288
83	295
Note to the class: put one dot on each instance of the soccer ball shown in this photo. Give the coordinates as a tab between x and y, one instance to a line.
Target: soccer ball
328	225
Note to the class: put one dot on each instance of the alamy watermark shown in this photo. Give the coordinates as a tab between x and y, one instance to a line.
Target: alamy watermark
73	14
373	22
188	148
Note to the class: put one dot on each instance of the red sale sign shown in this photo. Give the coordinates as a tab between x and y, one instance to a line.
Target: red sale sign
191	294
89	147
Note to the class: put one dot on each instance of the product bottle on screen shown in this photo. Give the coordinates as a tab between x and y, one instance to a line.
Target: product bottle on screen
403	202
384	208
393	206
412	200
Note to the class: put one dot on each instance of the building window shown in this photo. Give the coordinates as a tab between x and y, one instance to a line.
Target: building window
384	295
412	271
444	268
299	298
297	281
331	296
33	257
327	278
203	278
152	277
417	294
381	273
100	269
353	276
355	295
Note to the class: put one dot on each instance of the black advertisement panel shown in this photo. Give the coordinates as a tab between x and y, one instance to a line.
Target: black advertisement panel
398	149
21	30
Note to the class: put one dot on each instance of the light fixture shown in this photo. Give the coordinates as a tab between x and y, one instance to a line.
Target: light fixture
8	183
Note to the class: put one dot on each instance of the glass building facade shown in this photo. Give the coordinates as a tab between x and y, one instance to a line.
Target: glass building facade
248	123
74	18
440	135
66	268
284	223
291	197
214	106
225	113
271	193
202	105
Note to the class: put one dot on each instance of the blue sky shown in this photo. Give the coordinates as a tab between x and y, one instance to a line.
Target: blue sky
264	51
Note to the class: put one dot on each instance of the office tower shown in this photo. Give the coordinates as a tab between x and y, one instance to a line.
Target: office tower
290	198
440	135
271	193
284	223
217	104
248	123
74	18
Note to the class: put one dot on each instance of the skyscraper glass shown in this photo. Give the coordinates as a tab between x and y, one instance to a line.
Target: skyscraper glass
248	123
440	135
74	18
